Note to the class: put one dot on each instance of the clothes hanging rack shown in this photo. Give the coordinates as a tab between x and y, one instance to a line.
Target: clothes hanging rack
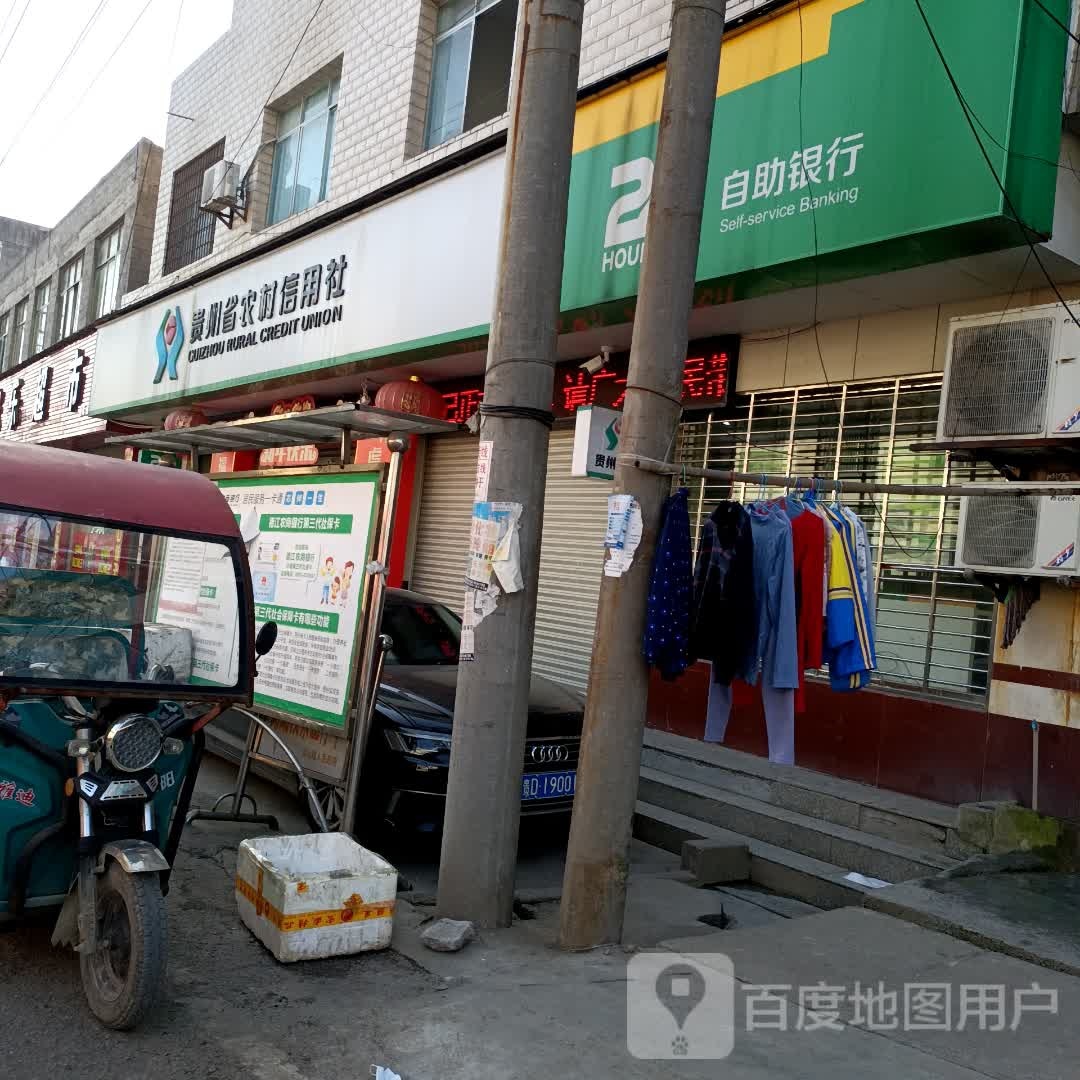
818	483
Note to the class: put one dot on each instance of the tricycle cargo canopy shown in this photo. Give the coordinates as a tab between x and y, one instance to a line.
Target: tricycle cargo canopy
69	484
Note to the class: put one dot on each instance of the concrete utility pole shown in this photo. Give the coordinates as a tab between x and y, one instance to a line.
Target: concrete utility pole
479	848
594	886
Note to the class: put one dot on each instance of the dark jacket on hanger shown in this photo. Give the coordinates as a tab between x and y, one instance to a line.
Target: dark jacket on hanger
667	613
723	619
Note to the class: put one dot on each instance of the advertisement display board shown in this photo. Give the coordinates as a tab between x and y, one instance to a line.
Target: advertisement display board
309	538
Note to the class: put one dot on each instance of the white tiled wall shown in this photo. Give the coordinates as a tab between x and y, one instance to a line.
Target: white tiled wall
384	48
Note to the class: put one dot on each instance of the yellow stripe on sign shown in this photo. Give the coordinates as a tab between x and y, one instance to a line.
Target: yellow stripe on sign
757	52
311	920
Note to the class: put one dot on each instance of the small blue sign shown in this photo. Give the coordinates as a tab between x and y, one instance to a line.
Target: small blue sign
299	498
320	498
309	498
288	498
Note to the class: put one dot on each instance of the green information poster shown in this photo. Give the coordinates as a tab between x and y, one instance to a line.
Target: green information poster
309	539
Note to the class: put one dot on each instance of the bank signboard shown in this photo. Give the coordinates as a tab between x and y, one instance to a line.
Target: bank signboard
387	281
860	153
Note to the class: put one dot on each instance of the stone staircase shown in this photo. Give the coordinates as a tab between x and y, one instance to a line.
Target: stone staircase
805	831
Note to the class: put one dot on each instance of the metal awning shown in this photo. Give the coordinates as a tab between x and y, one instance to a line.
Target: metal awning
319	426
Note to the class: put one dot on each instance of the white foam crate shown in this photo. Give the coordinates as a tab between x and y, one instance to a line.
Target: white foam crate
313	896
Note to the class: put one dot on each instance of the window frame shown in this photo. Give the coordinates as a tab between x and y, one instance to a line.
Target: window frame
333	93
189	235
5	328
70	291
934	629
480	7
102	266
21	328
39	327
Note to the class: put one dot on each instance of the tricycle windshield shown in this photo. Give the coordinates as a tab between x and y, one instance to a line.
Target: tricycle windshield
118	609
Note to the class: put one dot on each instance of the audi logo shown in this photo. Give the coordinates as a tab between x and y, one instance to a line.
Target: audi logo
547	754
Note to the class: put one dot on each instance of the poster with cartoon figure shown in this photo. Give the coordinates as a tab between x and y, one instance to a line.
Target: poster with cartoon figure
313	534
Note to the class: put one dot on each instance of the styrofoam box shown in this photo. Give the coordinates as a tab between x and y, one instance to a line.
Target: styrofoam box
312	896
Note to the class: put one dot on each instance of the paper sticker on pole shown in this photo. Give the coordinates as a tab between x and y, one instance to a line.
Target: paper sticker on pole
494	566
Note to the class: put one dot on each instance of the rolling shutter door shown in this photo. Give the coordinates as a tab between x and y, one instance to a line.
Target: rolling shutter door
442	537
571	558
571	565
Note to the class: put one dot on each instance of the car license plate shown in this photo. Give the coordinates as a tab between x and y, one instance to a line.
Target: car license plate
548	785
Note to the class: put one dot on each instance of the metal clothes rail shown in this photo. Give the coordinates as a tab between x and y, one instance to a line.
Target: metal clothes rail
818	483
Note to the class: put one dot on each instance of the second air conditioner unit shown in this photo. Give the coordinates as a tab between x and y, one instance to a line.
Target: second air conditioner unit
219	188
1010	375
1020	534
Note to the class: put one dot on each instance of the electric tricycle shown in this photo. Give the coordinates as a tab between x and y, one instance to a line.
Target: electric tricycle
126	625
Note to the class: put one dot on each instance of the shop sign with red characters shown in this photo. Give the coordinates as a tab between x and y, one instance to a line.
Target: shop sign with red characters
708	382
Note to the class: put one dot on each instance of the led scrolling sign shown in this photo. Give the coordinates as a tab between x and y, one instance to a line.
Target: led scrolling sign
708	379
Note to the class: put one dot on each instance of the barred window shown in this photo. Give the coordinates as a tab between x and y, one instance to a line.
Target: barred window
191	231
934	630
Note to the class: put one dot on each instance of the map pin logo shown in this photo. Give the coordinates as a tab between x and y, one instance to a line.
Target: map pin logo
680	988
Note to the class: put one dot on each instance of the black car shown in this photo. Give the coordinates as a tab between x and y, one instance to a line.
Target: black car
408	753
403	784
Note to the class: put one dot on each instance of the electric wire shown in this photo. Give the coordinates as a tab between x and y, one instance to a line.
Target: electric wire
55	79
1053	18
101	70
815	322
14	31
1011	207
273	89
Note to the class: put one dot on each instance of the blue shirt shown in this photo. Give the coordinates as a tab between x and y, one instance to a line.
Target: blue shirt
774	593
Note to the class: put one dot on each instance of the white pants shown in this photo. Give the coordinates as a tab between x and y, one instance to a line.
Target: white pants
779	719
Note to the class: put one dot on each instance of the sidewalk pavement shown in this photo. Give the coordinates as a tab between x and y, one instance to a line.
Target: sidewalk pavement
511	1005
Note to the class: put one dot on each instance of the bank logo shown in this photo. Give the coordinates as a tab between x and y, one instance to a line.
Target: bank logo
628	218
169	342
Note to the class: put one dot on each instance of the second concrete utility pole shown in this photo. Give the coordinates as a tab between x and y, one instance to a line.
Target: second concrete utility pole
594	885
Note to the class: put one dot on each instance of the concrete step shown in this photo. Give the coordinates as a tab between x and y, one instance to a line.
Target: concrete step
904	819
786	873
838	845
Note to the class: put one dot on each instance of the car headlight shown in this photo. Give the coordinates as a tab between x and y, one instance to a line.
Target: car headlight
133	743
417	743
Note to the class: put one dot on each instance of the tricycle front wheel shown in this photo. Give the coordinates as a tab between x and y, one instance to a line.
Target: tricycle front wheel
123	976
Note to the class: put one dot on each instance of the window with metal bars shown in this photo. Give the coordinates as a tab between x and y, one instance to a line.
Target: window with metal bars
190	234
934	630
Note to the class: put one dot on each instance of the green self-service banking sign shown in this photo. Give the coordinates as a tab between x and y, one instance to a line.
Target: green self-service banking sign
836	132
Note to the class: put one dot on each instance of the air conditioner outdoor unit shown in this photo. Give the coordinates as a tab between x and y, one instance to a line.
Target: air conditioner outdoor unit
1020	533
219	187
1010	375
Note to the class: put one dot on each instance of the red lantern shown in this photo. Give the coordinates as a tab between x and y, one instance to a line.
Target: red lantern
185	418
411	395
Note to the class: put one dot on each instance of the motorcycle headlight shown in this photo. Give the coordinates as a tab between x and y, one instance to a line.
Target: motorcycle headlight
133	743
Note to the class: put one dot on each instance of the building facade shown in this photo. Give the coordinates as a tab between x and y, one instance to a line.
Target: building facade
51	296
69	276
354	241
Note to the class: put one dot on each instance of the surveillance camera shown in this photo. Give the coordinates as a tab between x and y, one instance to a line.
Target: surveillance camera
597	363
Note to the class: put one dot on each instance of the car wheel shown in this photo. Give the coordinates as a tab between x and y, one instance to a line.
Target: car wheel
331	799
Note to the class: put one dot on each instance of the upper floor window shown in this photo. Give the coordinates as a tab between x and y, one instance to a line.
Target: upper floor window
70	291
470	77
42	300
302	153
5	323
190	234
106	272
18	340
